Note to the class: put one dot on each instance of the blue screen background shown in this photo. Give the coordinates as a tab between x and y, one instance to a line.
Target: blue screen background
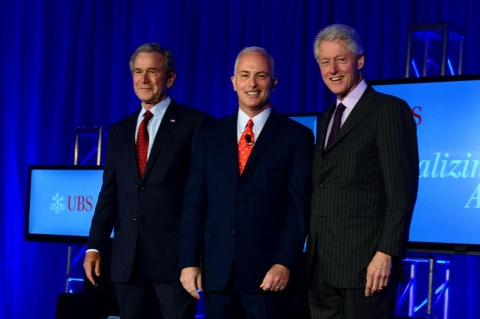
448	203
46	184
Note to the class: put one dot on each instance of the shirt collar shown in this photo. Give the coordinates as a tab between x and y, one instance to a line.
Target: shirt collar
352	98
258	120
158	109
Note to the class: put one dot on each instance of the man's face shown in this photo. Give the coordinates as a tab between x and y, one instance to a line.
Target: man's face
253	82
339	67
150	82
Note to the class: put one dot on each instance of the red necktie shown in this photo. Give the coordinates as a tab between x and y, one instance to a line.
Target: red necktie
337	122
245	146
142	143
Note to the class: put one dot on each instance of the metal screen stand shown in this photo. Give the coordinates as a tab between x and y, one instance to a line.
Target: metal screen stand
410	291
88	132
428	33
82	134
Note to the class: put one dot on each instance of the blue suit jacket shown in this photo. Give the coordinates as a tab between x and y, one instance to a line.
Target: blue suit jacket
256	220
145	212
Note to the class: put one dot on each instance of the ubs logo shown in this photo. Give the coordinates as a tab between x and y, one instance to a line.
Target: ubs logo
57	206
74	203
80	203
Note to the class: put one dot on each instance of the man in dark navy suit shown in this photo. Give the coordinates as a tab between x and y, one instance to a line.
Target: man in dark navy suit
141	199
365	173
246	206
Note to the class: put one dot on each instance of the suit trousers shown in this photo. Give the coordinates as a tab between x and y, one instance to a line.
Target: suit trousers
327	302
234	303
142	298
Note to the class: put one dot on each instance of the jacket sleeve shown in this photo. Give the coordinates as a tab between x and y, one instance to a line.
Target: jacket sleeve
398	153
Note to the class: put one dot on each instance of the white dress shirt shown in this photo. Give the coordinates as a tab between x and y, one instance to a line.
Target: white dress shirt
349	101
158	111
258	122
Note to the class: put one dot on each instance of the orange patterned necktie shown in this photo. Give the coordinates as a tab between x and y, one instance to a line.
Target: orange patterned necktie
142	143
245	146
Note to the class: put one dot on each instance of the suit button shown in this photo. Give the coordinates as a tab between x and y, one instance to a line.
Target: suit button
238	204
135	219
321	186
233	232
142	188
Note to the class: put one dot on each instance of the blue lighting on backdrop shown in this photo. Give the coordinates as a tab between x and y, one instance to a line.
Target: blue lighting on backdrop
65	64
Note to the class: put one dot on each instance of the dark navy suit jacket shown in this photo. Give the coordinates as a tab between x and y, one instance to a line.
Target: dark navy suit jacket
256	220
145	213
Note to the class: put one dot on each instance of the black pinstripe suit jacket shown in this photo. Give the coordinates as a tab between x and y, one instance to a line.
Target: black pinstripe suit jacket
365	189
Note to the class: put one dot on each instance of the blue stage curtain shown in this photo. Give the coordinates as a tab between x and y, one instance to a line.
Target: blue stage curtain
65	64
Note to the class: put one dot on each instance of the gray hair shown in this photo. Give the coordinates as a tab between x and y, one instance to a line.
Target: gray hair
339	32
168	57
258	50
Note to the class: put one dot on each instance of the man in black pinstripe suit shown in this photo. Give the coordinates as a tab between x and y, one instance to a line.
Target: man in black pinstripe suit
366	181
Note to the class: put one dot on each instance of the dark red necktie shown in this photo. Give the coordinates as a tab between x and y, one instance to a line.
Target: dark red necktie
337	122
142	142
245	146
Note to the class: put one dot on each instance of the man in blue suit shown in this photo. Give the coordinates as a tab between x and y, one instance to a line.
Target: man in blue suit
246	205
148	159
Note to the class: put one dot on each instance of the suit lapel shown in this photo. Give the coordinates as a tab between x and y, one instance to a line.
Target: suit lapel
229	146
270	133
361	109
130	132
170	119
323	125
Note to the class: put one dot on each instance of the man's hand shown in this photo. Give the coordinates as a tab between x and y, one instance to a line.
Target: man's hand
90	264
276	278
191	279
378	273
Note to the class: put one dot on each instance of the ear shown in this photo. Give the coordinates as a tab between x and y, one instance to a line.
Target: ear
274	83
361	61
171	79
233	82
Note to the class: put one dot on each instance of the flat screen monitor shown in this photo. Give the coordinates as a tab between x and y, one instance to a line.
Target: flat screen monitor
447	112
61	202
